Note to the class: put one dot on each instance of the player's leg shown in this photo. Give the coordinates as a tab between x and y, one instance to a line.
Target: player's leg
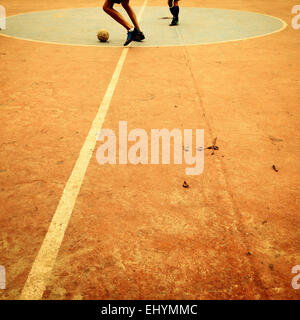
136	34
125	4
174	8
108	8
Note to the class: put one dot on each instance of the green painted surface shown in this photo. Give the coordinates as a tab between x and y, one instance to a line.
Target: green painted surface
197	26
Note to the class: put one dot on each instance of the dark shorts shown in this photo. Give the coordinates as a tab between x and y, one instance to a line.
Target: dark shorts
115	1
171	3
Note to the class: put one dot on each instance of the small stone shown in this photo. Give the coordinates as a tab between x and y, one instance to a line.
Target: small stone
185	185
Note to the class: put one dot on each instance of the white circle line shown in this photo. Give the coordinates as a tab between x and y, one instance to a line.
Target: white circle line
284	26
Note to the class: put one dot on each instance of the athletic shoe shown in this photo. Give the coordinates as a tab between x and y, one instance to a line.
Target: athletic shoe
130	37
174	22
138	36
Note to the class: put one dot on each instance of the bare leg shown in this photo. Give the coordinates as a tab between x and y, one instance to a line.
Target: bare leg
107	7
131	13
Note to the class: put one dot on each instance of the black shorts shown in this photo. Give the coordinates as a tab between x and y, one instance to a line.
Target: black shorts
171	2
115	1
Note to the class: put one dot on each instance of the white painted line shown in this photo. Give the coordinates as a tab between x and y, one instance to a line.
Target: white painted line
284	26
42	267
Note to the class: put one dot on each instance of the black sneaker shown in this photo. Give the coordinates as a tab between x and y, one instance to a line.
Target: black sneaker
138	36
174	22
130	37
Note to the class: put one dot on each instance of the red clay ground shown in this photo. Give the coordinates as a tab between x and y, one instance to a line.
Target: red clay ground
135	233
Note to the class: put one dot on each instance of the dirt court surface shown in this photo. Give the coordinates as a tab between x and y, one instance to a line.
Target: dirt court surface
135	232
